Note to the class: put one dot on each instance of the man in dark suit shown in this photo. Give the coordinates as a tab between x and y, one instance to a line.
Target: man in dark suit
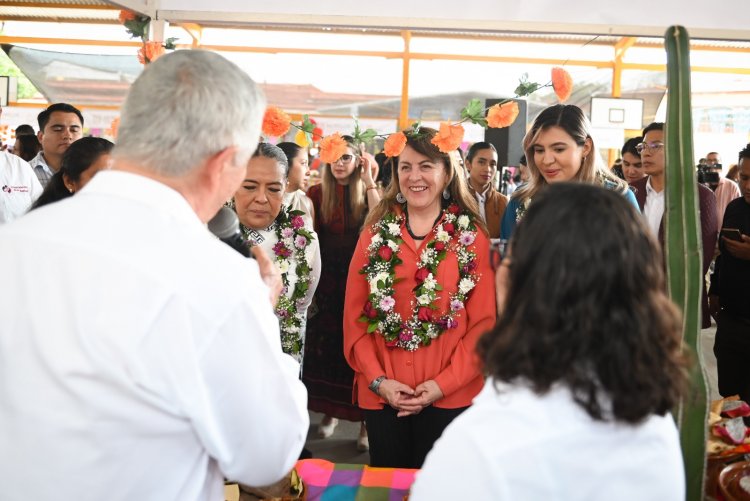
649	192
481	162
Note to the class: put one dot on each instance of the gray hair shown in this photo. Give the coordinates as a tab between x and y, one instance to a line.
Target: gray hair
268	150
185	107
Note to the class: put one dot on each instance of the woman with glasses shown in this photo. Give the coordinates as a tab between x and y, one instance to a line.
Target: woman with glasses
584	367
341	200
418	296
559	147
281	231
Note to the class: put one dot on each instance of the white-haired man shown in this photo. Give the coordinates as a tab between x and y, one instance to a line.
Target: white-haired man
139	355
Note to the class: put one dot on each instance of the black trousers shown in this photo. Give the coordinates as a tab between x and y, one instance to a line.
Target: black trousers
404	442
732	350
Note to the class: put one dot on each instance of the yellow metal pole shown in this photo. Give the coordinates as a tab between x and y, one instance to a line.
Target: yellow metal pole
620	48
403	118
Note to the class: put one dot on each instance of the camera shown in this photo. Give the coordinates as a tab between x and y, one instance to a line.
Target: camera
709	175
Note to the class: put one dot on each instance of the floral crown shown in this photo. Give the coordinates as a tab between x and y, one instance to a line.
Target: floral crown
449	136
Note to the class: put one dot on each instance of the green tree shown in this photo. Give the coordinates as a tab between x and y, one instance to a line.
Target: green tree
26	89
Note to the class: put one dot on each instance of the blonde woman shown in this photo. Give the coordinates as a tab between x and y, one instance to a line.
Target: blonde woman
341	201
559	147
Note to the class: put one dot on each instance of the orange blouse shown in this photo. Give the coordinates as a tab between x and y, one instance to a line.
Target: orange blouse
450	360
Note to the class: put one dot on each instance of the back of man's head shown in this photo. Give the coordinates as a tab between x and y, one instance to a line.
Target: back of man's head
185	107
43	117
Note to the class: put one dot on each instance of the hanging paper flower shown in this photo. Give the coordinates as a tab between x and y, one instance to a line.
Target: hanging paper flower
449	137
126	15
115	125
332	147
562	83
502	114
275	122
301	139
395	144
150	52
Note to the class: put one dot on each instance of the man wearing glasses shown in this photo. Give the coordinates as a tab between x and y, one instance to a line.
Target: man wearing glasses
649	192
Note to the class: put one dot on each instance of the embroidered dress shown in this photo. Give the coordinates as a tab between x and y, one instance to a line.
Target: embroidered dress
294	248
326	373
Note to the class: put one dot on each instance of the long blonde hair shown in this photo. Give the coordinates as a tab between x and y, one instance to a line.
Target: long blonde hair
356	187
571	119
459	191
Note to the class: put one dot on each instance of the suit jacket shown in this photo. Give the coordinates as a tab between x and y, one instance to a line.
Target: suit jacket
709	231
494	207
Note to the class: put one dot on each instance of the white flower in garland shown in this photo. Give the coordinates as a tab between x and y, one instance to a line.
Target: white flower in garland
424	299
283	266
442	235
394	229
393	245
430	283
463	221
467	237
465	285
376	240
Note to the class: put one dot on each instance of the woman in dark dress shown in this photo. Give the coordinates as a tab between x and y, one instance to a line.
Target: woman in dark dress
340	202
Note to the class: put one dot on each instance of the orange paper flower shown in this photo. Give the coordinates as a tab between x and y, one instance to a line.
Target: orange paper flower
449	137
394	145
332	147
562	83
275	122
126	15
150	52
502	114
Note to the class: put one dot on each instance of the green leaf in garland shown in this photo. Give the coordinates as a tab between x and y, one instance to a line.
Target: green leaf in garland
372	327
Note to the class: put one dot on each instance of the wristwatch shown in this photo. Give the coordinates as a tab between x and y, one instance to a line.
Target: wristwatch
376	384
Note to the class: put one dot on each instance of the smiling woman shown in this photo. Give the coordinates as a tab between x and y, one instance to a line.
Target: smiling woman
559	147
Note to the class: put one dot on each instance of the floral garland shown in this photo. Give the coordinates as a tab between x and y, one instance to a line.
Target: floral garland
456	233
292	242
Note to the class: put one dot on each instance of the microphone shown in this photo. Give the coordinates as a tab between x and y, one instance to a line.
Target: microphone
226	227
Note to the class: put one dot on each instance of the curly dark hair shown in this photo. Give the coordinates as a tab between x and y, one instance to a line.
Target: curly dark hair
586	307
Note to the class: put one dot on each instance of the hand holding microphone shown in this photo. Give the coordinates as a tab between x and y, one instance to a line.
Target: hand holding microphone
226	226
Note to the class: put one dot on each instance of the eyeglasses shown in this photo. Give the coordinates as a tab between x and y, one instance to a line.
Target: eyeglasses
651	147
498	247
344	159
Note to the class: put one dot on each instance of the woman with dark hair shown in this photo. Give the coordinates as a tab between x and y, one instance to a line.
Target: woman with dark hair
418	296
83	158
341	201
584	365
26	146
559	147
266	221
298	179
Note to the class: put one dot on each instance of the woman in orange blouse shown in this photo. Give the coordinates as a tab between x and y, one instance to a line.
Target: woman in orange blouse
418	296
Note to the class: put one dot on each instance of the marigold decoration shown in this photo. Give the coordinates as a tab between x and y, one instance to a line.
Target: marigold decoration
502	114
332	147
449	137
150	52
562	83
275	122
395	144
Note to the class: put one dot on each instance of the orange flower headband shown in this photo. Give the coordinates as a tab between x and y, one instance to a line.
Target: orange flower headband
276	122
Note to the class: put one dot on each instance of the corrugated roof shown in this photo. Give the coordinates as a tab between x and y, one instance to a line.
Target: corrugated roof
70	11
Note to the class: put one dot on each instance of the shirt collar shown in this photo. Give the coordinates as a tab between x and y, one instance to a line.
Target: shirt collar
650	189
143	190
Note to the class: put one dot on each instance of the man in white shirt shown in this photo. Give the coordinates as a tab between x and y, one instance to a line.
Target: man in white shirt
59	125
20	187
155	370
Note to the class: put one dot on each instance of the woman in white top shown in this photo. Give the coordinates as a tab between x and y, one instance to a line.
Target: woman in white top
298	179
585	364
285	235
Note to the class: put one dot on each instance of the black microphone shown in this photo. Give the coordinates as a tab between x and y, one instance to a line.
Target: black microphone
226	226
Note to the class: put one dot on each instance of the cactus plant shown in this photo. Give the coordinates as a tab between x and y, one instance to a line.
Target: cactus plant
683	249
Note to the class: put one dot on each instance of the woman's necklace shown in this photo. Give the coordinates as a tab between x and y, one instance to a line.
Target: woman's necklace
411	233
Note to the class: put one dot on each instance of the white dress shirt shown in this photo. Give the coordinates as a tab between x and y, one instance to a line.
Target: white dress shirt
481	199
154	369
518	445
20	187
43	171
653	209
